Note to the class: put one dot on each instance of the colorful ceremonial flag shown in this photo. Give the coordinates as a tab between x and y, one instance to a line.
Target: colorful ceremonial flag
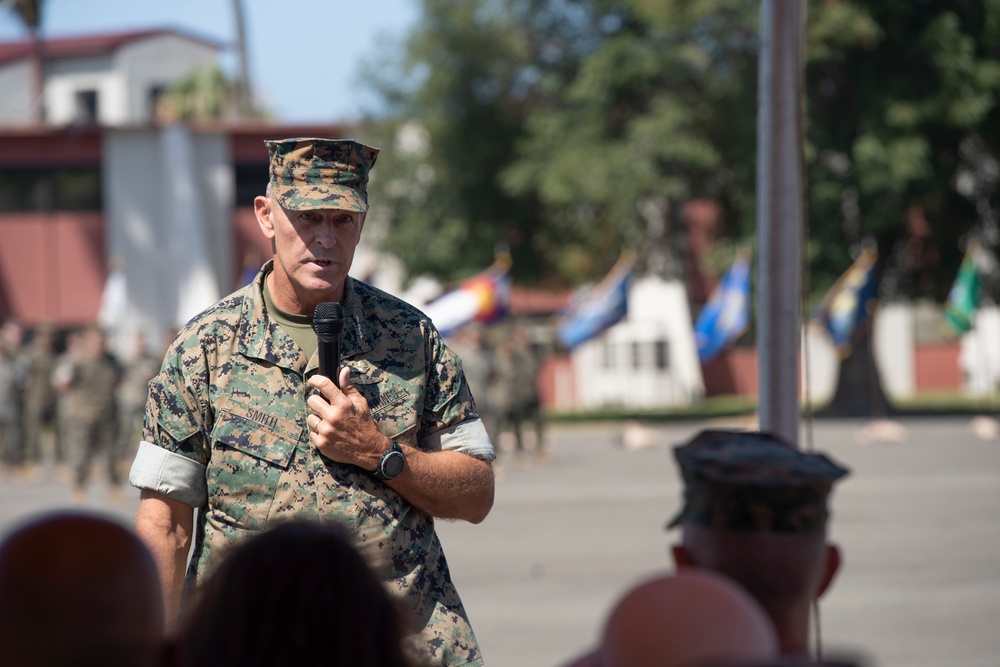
483	298
599	308
727	313
848	304
963	298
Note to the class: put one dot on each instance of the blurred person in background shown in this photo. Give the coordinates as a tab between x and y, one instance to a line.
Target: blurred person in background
13	377
87	379
755	510
79	590
137	369
38	410
525	400
296	594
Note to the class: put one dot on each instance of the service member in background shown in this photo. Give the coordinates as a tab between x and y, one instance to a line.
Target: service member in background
755	510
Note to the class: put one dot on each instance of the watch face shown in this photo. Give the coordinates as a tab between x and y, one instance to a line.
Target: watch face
392	464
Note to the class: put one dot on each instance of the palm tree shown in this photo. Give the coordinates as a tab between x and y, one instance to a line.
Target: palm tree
30	13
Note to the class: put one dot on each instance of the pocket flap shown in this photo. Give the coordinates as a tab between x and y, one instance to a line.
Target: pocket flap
256	432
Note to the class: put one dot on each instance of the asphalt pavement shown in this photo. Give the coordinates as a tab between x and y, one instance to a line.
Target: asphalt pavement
918	522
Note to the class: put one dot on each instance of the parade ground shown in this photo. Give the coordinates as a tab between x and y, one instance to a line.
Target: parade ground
918	523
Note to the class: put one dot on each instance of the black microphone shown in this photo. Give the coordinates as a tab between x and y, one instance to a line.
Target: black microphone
328	320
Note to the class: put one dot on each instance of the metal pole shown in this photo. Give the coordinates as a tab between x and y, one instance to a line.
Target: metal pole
244	89
779	214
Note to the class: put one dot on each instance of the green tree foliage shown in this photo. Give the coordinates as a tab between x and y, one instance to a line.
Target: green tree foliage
568	129
205	93
902	128
459	92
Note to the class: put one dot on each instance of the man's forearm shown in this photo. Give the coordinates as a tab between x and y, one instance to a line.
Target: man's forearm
446	484
165	526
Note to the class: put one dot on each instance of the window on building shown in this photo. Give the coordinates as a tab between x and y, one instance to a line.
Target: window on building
77	189
661	351
155	93
637	355
46	190
86	111
251	180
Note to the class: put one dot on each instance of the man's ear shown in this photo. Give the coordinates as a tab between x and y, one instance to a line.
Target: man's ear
263	208
682	557
830	567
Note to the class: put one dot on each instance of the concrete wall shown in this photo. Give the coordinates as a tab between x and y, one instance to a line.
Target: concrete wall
15	103
168	202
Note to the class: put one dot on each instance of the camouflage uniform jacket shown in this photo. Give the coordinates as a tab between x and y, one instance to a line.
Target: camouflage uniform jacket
229	409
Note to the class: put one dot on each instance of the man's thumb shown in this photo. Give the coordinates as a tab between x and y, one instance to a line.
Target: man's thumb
345	379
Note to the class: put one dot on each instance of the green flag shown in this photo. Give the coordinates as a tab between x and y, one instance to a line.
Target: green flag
963	299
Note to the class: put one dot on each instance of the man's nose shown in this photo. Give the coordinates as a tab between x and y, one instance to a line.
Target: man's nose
325	235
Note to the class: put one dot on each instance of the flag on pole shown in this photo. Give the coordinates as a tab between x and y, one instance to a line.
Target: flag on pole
727	313
599	308
848	304
963	298
484	298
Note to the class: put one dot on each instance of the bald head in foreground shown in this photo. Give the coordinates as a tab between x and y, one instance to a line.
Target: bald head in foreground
79	590
689	619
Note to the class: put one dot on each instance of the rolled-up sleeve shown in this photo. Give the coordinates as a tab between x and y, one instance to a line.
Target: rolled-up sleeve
171	474
469	437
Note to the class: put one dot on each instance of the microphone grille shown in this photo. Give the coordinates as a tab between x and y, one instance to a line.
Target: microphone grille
328	318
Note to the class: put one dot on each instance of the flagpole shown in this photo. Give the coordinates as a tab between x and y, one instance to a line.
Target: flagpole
779	215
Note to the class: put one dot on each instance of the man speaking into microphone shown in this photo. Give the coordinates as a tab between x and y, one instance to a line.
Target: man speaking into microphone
241	425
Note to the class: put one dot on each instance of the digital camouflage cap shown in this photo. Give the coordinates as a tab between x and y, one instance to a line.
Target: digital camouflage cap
752	481
320	173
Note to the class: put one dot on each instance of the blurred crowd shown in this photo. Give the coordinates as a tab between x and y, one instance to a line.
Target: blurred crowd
752	560
502	367
67	404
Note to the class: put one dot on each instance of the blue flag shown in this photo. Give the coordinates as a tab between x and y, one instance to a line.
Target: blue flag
848	304
599	308
727	313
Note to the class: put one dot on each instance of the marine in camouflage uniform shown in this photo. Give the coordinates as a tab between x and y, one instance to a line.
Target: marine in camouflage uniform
239	425
39	398
756	510
89	387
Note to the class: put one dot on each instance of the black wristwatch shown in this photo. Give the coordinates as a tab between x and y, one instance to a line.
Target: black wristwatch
391	463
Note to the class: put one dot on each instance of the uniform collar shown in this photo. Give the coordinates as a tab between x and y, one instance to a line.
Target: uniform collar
262	338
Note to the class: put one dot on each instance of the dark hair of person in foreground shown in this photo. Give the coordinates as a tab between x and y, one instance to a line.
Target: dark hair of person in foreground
297	594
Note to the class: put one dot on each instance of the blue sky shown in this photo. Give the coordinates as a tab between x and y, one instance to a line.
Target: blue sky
290	42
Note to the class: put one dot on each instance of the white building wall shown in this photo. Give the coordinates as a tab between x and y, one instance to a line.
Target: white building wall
980	353
167	223
619	368
65	78
15	102
819	367
157	62
894	342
